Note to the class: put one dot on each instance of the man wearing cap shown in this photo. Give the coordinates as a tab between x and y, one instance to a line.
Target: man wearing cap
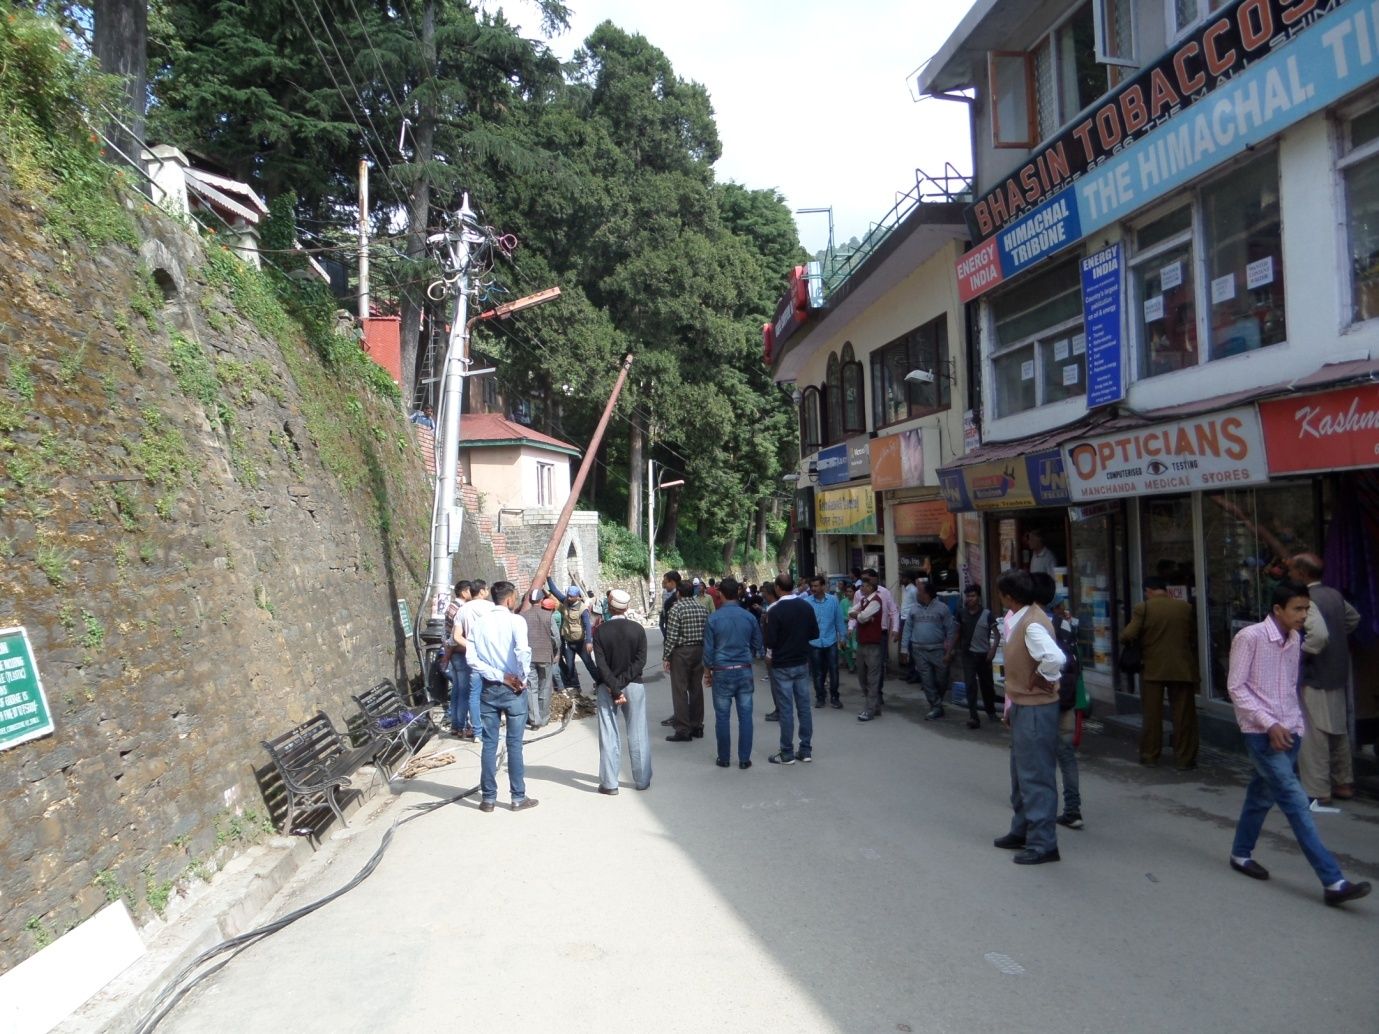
542	645
576	634
620	651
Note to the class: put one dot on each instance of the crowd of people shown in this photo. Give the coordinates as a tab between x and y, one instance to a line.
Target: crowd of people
504	666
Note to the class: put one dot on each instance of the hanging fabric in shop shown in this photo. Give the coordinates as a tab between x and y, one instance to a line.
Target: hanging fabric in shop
1352	549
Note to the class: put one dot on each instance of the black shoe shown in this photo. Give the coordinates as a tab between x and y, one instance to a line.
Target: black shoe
912	679
1029	857
697	732
668	723
837	704
1009	842
774	716
934	714
782	759
744	764
806	758
1250	868
607	792
486	806
680	737
529	802
865	716
820	703
1071	819
721	763
974	723
1349	892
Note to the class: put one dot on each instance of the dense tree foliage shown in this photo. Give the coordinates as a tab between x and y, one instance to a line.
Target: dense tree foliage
602	169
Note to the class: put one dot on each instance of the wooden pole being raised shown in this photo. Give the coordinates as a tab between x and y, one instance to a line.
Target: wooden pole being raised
543	569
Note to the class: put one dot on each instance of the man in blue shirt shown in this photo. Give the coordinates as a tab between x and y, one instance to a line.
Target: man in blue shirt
499	655
732	638
823	652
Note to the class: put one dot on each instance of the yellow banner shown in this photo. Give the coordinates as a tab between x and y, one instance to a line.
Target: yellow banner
845	511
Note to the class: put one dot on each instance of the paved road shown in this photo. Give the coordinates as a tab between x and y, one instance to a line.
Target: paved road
859	893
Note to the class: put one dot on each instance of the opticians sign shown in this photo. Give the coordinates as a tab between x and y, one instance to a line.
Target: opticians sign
1215	451
1333	430
1243	77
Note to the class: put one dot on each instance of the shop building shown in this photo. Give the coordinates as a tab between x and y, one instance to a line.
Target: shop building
876	356
1173	253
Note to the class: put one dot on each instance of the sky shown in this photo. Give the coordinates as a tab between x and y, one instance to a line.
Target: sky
811	97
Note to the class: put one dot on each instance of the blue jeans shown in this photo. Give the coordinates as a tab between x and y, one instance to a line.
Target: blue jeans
476	689
498	699
458	673
638	737
1034	774
792	694
1276	782
823	660
1067	765
731	687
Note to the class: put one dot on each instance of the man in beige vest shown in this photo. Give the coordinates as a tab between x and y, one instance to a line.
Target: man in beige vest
1033	664
1167	633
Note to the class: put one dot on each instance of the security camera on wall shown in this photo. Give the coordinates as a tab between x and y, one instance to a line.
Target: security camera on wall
921	376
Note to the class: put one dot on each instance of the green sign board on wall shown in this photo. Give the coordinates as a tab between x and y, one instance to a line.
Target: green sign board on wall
24	713
404	615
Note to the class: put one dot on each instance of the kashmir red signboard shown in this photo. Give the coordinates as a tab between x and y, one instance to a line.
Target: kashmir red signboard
1333	430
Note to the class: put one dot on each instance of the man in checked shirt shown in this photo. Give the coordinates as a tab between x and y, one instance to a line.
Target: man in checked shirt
1263	683
683	656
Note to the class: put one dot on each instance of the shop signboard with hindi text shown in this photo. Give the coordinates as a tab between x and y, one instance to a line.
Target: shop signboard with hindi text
930	519
1332	430
1217	450
897	461
24	713
845	511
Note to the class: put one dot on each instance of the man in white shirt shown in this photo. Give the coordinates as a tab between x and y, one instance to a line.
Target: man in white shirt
1041	557
499	656
890	621
1033	664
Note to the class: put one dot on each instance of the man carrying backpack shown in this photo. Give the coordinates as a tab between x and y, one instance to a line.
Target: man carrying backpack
576	634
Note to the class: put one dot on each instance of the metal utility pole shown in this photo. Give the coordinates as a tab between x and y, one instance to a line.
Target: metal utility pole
447	516
363	239
543	569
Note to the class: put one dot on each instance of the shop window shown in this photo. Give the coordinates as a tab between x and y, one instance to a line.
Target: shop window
810	437
895	399
1212	271
854	405
1035	92
1249	535
1359	166
1183	13
1164	280
834	398
1040	350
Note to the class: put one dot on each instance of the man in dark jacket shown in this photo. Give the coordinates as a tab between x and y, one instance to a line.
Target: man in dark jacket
1167	633
542	645
620	651
790	626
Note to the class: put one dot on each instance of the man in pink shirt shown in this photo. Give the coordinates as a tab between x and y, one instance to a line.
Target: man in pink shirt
1263	683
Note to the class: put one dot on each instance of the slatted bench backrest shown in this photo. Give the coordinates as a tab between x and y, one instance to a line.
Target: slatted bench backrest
381	700
311	743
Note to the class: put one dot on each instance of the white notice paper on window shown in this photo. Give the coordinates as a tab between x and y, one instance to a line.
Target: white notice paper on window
1070	375
1060	350
1171	276
1154	308
1027	370
1223	289
1260	273
1079	344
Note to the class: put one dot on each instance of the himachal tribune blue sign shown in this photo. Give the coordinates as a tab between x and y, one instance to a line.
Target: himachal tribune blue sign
1051	227
1102	295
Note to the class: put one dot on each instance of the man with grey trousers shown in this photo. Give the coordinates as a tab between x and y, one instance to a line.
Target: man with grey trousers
542	645
620	653
930	635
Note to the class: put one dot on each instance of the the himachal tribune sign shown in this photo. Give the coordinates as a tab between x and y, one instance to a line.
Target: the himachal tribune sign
1101	315
24	713
1228	86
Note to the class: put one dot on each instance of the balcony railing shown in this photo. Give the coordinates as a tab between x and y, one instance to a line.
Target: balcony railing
951	187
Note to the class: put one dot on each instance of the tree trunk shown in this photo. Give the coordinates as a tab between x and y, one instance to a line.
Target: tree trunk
418	215
670	523
636	470
761	528
787	551
120	44
729	548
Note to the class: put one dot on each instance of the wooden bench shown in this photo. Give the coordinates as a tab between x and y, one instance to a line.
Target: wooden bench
315	763
390	719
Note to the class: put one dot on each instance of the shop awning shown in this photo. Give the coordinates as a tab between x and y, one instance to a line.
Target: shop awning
1325	376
